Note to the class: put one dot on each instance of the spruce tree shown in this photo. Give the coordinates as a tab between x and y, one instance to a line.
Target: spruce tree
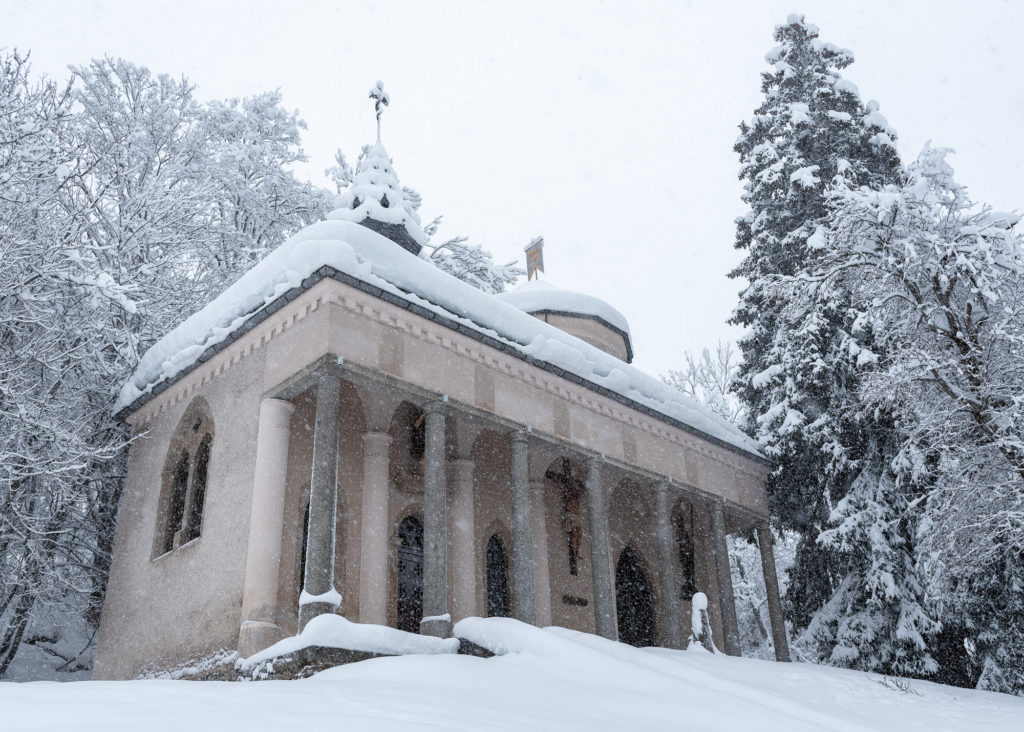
800	372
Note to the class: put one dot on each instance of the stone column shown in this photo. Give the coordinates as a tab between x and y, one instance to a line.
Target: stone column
668	567
541	575
435	527
524	602
259	627
463	540
771	586
374	533
605	620
730	626
318	593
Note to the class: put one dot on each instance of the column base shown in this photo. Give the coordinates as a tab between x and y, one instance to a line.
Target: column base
255	635
438	627
311	609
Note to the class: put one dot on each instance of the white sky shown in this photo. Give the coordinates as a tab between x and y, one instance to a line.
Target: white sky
605	126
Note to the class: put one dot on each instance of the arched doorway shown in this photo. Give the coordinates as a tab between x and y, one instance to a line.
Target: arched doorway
499	599
410	574
633	600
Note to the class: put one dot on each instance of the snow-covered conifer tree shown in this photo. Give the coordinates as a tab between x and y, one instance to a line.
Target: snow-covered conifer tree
799	377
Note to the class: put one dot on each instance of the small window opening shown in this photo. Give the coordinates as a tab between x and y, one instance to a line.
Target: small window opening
176	508
499	599
198	498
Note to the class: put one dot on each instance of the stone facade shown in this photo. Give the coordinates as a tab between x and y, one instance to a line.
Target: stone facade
370	413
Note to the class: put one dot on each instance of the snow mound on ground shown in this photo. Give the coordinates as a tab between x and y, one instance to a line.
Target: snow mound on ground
334	631
538	295
364	255
549	679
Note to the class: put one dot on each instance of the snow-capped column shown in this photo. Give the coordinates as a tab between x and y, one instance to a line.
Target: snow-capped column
463	539
373	553
771	586
318	593
730	626
524	605
668	567
541	576
605	621
436	620
259	627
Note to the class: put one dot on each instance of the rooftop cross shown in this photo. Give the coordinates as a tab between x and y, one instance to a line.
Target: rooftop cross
381	99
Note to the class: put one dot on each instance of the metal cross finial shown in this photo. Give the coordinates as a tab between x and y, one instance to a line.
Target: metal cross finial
381	99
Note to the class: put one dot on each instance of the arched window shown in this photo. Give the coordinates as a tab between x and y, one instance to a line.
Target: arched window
499	599
410	574
185	478
633	600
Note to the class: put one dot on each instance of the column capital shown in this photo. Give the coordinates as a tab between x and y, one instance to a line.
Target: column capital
278	411
376	443
519	436
435	406
664	487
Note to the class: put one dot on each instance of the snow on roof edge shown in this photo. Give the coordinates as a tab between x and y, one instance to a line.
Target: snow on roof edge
367	257
540	295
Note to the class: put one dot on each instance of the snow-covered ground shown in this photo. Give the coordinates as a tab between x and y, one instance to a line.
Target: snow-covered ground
550	679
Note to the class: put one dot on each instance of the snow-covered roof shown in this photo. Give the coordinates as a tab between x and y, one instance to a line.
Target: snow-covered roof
541	296
369	259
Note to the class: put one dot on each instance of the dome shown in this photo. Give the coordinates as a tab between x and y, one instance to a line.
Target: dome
587	317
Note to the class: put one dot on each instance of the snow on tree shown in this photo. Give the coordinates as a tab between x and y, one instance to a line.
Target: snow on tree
709	380
258	202
125	205
799	377
473	264
938	283
55	427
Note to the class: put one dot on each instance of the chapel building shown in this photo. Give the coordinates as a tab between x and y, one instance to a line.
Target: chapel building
349	429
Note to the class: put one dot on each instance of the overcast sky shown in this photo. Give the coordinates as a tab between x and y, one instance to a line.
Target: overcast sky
607	127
